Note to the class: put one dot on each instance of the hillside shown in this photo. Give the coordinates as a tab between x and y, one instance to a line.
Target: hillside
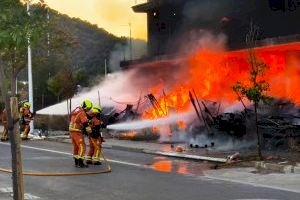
74	56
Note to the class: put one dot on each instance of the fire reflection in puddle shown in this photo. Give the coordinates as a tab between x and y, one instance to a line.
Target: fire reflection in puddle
181	167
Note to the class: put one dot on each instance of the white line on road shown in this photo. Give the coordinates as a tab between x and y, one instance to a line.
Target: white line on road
10	191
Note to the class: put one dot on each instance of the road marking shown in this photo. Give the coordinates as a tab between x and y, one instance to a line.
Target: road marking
69	154
10	191
6	190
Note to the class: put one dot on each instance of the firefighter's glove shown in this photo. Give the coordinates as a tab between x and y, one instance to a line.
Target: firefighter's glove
88	130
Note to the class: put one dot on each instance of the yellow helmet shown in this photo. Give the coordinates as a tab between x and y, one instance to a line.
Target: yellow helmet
96	109
26	104
86	104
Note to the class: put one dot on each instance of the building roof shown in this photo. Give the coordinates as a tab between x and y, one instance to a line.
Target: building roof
143	8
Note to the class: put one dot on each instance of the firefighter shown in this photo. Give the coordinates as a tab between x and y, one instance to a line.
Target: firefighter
95	138
4	136
25	119
78	127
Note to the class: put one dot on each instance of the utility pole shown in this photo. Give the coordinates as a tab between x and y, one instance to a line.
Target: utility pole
130	41
105	67
48	34
16	85
30	87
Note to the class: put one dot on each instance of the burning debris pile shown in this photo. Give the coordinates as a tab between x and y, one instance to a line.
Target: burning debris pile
210	75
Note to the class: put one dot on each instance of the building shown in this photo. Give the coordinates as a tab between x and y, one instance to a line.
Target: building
171	22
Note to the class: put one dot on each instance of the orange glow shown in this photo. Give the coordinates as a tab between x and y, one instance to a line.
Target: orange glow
213	73
130	134
163	166
181	124
182	169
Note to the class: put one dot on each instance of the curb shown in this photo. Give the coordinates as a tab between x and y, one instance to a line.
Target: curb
153	152
186	156
286	169
62	140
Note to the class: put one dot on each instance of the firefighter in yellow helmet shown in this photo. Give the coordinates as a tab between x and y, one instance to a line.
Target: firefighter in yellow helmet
78	127
4	136
25	119
95	138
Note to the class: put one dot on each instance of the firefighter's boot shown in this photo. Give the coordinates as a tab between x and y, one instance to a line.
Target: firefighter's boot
76	162
89	162
81	164
97	163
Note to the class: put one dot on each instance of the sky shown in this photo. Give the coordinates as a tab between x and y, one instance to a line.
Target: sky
112	15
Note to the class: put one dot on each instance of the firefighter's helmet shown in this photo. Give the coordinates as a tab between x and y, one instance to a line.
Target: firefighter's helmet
26	104
96	109
86	104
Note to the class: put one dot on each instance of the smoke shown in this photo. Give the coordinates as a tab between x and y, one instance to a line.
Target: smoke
122	52
204	10
115	88
222	142
197	40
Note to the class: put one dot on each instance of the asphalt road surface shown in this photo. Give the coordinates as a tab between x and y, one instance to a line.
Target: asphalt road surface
134	176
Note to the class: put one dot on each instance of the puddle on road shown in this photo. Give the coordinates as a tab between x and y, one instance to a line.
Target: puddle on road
163	164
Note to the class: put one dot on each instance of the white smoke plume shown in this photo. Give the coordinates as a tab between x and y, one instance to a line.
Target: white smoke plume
122	52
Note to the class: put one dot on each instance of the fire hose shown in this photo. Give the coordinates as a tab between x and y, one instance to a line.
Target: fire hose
107	170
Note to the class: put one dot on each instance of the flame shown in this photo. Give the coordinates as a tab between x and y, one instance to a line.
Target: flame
211	74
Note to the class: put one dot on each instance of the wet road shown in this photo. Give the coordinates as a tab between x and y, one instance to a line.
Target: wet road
135	176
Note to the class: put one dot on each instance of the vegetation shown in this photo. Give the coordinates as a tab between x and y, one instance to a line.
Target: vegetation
256	90
61	47
77	50
16	27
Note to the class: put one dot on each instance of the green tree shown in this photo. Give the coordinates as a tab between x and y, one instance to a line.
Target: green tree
256	90
62	84
81	77
16	28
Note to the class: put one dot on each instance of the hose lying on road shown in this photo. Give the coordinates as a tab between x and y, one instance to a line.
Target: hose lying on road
107	170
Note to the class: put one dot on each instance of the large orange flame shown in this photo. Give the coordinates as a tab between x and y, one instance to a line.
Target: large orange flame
213	73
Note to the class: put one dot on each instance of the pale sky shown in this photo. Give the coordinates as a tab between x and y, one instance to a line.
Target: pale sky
112	15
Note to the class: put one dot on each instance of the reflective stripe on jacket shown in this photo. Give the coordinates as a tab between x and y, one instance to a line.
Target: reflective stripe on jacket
78	118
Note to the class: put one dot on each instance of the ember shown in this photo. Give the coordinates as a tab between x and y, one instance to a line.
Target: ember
130	134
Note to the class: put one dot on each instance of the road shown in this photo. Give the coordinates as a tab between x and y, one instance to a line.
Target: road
134	176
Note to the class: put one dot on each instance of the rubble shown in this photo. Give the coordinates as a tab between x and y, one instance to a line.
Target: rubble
278	122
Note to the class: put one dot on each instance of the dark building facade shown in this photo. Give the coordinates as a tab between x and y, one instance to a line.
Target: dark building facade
172	21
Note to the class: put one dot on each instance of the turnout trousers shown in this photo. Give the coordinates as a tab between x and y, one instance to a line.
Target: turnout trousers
95	149
78	144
